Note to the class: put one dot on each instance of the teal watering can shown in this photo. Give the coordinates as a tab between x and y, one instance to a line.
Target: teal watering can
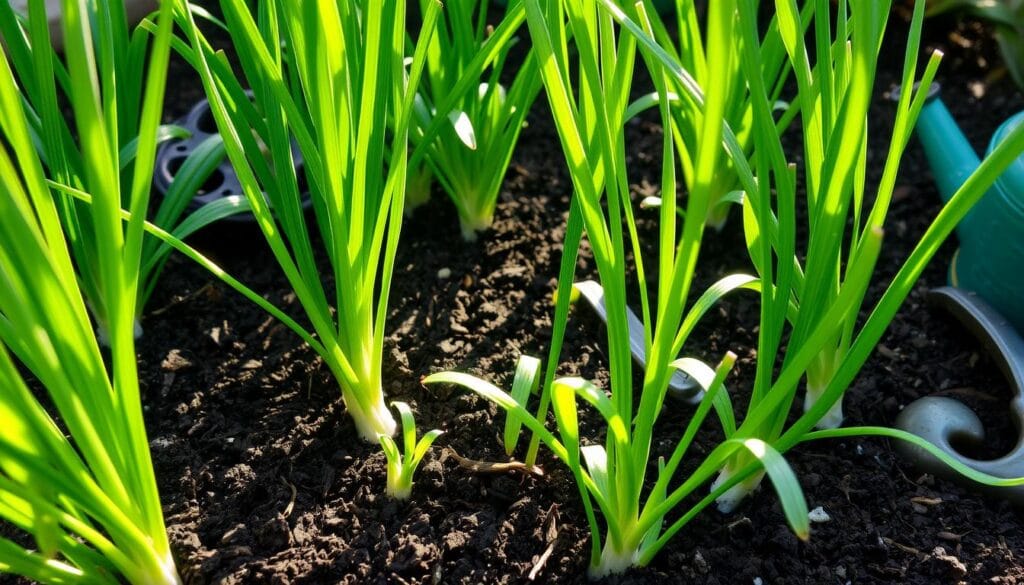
987	274
990	261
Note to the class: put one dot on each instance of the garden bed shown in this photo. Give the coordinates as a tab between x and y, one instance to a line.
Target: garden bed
264	480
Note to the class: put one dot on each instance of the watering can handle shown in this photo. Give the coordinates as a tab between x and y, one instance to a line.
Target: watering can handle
943	421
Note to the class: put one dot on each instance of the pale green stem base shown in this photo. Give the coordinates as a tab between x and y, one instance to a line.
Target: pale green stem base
170	572
612	561
472	226
374	422
731	499
399	483
398	492
833	419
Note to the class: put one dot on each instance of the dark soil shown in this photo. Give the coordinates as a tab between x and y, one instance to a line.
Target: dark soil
265	481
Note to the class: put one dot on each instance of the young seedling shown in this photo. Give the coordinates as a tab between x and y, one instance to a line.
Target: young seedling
402	464
524	383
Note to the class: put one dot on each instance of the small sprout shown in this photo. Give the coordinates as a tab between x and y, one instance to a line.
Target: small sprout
525	383
444	273
402	465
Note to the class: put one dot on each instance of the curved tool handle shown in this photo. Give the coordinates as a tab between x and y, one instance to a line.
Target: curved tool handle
999	338
680	386
944	421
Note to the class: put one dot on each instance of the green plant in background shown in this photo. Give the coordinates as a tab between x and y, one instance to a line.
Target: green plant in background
690	48
1007	16
75	471
418	184
121	59
402	464
589	116
333	95
477	119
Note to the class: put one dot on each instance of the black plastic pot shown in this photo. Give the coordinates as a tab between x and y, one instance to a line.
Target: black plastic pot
223	182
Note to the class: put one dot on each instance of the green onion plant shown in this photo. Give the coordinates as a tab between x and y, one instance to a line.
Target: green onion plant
689	47
77	486
613	477
44	84
639	516
820	297
326	76
834	101
810	309
477	119
402	464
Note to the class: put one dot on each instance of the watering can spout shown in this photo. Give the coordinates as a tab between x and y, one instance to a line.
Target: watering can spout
949	153
991	255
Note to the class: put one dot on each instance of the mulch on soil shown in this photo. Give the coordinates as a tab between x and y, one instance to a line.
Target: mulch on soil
264	481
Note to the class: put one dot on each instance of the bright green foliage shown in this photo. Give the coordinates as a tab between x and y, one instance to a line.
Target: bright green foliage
834	98
690	48
612	477
589	116
1006	16
820	299
75	468
477	120
43	82
327	76
402	464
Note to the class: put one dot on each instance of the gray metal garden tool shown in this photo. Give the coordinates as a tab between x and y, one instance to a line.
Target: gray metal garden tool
945	421
680	386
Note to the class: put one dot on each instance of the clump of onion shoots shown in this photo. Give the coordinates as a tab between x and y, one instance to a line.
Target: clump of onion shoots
402	464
